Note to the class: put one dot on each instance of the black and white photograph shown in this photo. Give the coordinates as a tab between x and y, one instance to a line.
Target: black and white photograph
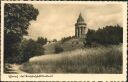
64	38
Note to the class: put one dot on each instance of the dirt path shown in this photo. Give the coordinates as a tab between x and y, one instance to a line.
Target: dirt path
15	69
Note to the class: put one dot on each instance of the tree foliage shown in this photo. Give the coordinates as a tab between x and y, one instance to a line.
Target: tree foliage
17	19
54	40
42	40
107	35
30	48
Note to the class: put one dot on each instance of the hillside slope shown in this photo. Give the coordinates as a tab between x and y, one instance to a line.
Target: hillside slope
89	60
50	47
68	45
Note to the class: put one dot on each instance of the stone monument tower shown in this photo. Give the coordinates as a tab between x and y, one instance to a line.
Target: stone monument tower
80	28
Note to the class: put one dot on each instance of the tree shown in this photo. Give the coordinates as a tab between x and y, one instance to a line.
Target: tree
16	23
30	48
106	35
42	40
90	37
54	40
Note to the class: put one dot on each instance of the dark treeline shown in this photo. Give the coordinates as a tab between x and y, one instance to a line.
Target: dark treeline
106	35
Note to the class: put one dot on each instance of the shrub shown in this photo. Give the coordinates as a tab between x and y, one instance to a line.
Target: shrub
26	50
58	49
54	40
31	48
42	40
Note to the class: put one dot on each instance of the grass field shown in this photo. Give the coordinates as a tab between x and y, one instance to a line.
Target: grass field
89	60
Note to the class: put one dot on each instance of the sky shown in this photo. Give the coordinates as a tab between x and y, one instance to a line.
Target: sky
58	20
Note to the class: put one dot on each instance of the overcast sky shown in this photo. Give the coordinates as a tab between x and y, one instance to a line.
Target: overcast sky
56	21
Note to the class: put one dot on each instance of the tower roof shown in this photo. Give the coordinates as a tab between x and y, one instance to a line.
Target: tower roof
80	18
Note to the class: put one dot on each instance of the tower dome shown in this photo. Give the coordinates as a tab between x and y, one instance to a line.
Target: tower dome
80	19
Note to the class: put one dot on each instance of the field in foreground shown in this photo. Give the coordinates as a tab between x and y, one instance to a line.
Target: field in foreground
89	60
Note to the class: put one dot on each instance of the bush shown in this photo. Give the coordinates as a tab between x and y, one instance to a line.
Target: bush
42	40
31	48
58	49
13	54
26	50
54	40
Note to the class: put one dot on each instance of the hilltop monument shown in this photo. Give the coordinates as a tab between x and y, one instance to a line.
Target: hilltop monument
80	28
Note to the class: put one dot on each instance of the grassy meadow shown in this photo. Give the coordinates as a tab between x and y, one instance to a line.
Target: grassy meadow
102	59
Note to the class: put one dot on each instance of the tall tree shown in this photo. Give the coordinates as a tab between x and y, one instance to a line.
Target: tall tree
17	19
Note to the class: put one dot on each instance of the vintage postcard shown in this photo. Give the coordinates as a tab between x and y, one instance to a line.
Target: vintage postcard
63	41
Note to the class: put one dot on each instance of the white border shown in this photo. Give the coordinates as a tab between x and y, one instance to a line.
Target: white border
70	77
